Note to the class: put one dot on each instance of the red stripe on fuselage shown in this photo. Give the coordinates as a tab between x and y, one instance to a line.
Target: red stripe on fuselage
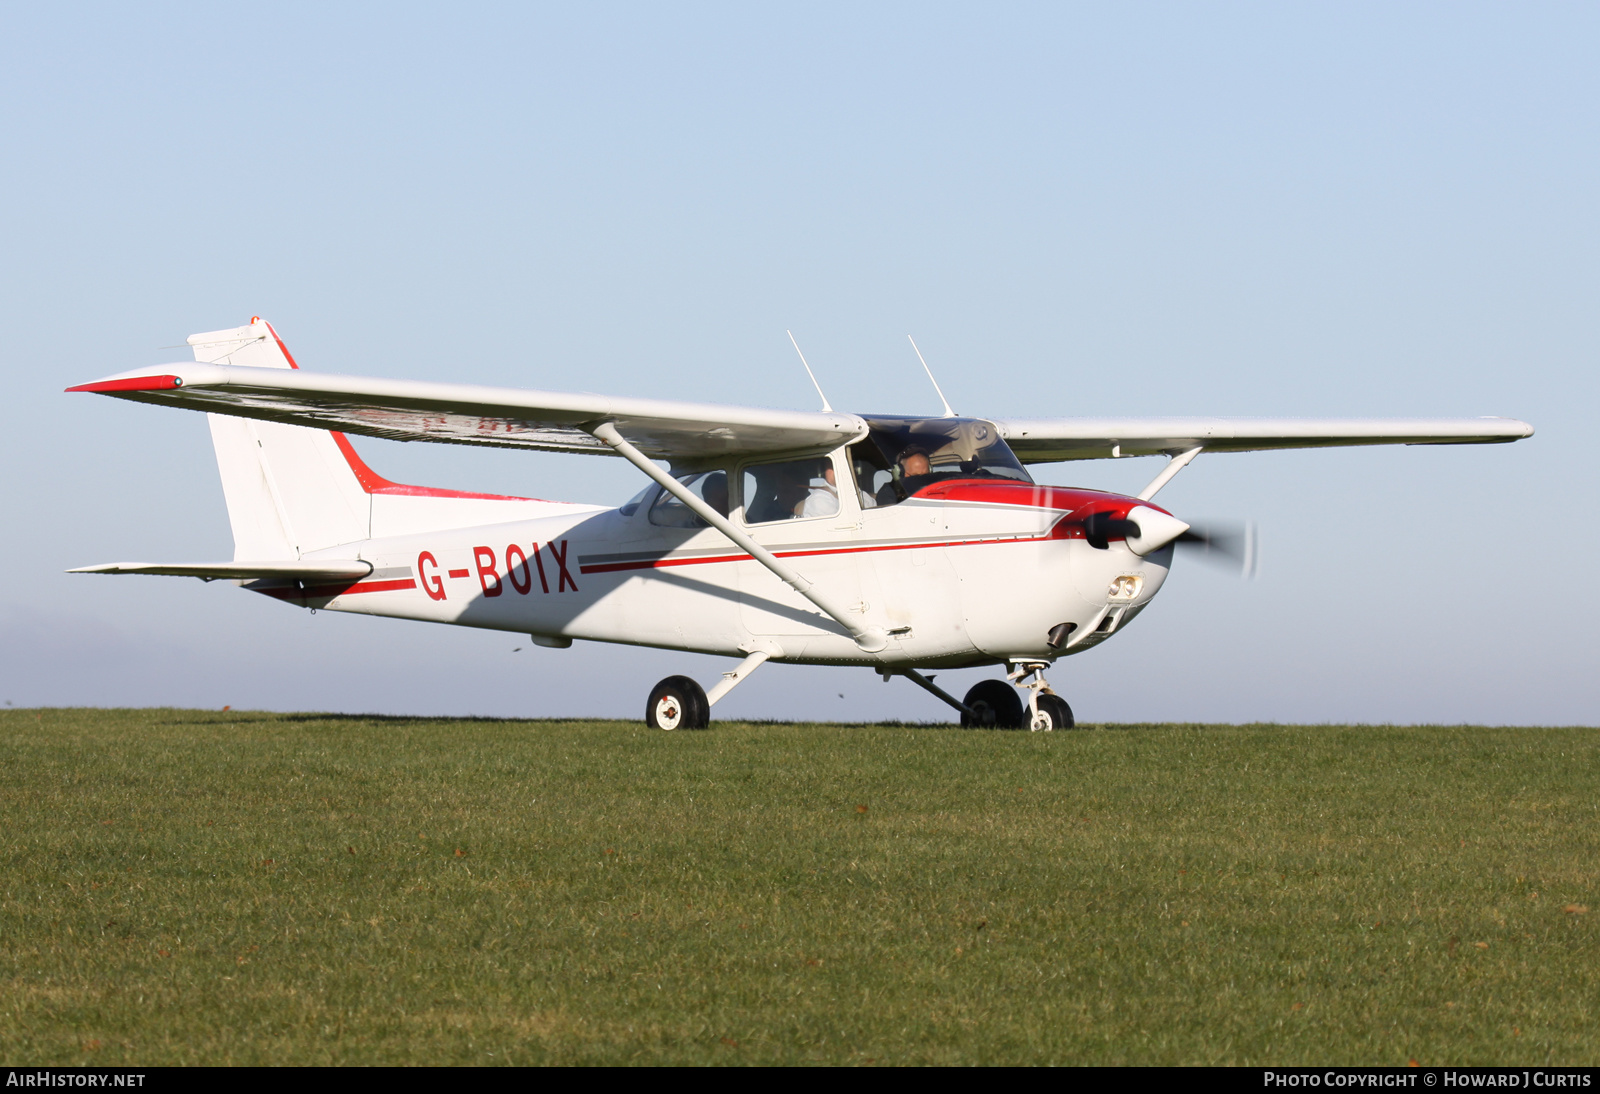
328	592
1068	499
1059	531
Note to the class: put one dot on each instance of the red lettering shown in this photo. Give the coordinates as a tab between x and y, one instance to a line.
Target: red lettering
561	561
431	584
539	562
485	572
526	584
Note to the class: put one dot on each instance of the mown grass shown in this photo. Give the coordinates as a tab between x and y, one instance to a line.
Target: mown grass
194	887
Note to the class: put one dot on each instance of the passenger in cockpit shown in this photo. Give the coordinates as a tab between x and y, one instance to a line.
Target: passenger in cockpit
823	499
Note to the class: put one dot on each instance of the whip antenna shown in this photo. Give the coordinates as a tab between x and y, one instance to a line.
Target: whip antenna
807	367
948	413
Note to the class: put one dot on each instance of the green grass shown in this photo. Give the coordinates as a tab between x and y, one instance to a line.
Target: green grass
202	887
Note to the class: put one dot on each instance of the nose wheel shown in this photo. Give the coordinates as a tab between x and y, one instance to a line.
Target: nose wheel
1046	710
1053	713
677	703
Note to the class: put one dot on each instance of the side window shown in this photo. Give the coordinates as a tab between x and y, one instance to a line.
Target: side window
790	490
710	487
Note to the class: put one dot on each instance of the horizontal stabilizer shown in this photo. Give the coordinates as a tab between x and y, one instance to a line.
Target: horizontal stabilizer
352	570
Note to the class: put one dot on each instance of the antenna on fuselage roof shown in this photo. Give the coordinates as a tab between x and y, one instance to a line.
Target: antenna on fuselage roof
948	413
807	367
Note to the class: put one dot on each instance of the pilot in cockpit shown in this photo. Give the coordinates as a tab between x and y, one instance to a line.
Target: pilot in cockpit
916	471
715	491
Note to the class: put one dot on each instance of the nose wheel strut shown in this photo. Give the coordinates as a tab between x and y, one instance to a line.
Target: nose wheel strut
1045	711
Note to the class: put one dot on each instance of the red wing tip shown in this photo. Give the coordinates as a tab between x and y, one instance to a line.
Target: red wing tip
132	383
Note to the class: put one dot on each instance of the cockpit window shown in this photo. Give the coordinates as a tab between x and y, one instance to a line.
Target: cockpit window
902	455
631	506
710	487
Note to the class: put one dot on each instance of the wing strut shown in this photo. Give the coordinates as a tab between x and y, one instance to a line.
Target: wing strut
1174	465
869	639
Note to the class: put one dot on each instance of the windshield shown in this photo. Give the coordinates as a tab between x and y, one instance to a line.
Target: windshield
902	455
710	487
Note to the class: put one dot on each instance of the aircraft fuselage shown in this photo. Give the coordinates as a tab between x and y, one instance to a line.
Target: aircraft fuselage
977	573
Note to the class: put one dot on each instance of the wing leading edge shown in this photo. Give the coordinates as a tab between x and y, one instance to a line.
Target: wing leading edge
1049	440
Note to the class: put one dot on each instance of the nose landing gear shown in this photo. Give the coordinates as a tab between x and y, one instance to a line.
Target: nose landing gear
1046	710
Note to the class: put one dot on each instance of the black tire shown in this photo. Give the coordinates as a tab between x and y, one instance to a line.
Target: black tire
996	704
677	703
1055	708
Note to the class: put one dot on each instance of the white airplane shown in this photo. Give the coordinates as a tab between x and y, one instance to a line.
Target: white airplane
898	543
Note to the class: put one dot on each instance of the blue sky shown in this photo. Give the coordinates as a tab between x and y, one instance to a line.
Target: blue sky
1334	209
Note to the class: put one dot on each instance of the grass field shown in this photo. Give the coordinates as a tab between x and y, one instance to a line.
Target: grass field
203	887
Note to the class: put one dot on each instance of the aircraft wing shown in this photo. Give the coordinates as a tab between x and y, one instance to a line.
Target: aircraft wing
415	410
1047	440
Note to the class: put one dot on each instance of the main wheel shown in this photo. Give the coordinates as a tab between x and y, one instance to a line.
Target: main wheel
677	703
1053	714
996	705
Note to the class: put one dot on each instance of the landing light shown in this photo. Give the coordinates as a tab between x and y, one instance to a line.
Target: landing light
1126	587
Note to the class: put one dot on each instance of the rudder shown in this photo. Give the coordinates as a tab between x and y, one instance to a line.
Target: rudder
289	489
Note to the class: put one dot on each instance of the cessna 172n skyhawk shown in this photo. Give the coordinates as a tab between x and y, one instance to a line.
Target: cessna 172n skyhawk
897	543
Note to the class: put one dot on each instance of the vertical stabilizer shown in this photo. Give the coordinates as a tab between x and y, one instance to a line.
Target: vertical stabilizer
289	488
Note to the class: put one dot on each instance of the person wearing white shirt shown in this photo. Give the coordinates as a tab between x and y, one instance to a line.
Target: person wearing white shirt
823	500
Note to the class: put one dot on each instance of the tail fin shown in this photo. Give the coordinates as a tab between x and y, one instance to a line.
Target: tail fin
292	489
289	488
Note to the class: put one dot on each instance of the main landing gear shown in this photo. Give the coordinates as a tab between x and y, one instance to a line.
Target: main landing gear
677	703
680	703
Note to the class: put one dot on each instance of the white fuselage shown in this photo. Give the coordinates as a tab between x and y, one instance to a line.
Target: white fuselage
953	582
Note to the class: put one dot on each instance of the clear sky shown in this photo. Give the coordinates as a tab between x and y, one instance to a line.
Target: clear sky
1302	209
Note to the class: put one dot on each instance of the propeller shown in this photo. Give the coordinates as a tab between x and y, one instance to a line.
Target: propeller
1231	545
1145	530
